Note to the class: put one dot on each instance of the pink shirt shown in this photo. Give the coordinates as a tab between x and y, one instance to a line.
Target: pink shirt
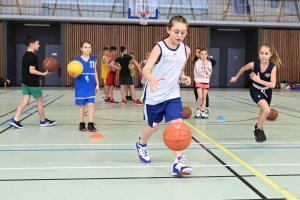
201	71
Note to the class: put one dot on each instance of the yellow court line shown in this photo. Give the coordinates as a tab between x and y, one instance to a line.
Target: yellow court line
249	167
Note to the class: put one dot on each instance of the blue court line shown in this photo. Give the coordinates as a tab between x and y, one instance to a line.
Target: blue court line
130	149
24	112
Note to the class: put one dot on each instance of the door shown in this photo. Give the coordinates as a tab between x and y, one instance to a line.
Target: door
215	78
53	51
21	49
236	60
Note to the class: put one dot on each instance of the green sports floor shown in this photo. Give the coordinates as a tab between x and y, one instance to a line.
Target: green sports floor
62	163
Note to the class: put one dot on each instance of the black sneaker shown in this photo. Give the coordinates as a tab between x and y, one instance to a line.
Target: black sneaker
47	122
262	129
258	135
91	127
82	126
130	98
15	123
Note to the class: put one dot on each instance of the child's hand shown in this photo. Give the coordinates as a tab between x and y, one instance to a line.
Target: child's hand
233	79
41	82
154	83
46	73
187	80
255	77
97	88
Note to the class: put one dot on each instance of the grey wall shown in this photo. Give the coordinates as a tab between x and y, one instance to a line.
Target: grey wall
46	35
9	52
225	40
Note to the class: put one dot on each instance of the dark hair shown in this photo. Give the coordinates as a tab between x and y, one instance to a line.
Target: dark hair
122	49
105	48
112	48
30	39
177	18
200	49
85	41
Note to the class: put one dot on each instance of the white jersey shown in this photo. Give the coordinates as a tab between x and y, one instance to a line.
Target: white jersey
169	67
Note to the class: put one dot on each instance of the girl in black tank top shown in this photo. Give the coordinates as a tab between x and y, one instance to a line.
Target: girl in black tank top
263	80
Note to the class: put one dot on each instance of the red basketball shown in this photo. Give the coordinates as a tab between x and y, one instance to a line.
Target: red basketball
50	64
177	136
187	112
273	114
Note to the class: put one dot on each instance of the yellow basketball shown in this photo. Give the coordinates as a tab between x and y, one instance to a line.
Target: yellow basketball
75	68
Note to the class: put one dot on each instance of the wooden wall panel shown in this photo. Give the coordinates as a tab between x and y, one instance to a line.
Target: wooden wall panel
139	39
286	43
0	49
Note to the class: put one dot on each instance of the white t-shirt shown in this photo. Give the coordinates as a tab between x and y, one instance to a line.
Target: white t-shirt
169	67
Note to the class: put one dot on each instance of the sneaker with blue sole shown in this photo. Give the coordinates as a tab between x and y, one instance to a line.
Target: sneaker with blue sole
179	168
15	124
142	152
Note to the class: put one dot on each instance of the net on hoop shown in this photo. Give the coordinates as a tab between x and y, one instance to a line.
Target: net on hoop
143	17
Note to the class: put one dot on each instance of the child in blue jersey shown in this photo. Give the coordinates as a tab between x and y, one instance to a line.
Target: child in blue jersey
263	80
86	85
162	92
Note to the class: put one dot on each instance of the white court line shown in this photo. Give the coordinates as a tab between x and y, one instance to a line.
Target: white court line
130	144
109	167
135	167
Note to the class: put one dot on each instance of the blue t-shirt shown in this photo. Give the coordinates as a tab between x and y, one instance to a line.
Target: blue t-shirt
85	84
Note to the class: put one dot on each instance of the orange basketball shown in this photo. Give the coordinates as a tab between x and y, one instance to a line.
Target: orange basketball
50	64
177	136
273	114
132	66
187	112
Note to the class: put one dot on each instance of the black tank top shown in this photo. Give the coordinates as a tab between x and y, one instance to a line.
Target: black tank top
266	75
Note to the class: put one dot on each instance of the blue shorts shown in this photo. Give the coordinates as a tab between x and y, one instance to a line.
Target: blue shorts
84	101
170	109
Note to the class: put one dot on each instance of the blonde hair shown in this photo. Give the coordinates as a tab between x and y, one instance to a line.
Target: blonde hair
275	57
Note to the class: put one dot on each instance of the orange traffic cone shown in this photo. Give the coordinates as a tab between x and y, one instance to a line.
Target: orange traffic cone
97	136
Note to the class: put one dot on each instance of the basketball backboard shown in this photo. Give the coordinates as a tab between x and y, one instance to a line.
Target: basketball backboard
137	6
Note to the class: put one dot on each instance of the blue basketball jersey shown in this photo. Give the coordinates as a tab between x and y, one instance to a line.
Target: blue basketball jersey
85	84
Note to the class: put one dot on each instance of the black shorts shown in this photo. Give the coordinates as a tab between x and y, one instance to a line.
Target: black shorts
128	80
257	95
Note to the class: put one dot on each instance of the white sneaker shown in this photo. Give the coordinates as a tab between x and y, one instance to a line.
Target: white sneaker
207	110
197	115
203	114
142	152
179	168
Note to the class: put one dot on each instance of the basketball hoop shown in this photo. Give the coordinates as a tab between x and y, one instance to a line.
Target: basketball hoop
143	17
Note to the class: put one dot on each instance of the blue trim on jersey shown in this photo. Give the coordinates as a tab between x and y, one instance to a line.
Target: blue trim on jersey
159	54
169	47
85	84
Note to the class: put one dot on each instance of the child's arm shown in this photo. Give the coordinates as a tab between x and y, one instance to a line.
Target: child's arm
96	78
154	81
186	79
241	71
208	70
272	84
32	70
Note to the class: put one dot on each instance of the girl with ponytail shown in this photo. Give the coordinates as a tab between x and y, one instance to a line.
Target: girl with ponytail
263	81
